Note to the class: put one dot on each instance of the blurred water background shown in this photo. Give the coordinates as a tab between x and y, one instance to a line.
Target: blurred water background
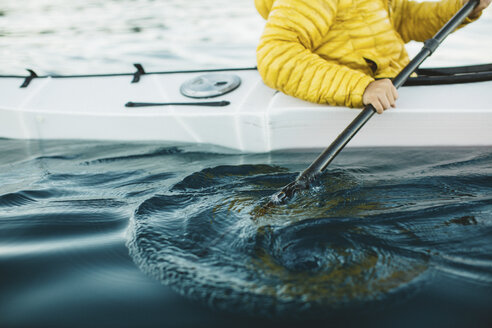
107	36
149	234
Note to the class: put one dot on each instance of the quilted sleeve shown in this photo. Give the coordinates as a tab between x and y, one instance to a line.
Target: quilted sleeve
420	21
286	60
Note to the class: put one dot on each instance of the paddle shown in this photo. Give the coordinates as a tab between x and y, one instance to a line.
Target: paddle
319	165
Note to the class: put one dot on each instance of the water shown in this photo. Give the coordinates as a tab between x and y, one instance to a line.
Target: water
152	234
108	36
81	36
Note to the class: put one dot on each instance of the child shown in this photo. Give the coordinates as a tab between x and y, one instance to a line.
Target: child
331	51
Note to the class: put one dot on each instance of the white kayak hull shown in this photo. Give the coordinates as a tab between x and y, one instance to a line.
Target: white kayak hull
258	118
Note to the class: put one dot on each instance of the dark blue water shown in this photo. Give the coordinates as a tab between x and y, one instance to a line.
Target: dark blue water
149	235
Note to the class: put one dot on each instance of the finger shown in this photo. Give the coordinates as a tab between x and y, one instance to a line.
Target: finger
394	92
482	5
375	104
384	101
391	98
378	106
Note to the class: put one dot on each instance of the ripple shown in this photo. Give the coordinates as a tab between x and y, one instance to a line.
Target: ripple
27	197
148	179
207	240
221	175
92	179
151	154
27	226
15	199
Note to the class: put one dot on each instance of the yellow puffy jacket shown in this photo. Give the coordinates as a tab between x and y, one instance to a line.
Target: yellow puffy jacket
328	51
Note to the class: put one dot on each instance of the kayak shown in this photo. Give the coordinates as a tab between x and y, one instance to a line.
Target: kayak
233	108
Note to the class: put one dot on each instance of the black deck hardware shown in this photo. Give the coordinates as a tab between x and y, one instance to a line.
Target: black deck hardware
451	71
140	71
28	79
203	103
449	79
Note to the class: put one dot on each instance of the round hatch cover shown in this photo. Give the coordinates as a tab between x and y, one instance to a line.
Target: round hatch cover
210	85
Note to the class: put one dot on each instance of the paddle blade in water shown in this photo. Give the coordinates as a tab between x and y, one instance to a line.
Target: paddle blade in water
282	196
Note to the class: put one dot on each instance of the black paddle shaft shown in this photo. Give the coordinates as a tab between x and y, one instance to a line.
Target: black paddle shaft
329	154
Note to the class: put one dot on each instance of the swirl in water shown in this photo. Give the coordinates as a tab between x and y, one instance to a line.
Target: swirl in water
211	239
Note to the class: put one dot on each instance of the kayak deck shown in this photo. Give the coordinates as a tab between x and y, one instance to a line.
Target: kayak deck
253	117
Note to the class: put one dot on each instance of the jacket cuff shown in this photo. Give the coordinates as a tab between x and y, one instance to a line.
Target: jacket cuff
355	100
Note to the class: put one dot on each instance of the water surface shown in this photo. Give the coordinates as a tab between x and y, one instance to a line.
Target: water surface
147	234
108	36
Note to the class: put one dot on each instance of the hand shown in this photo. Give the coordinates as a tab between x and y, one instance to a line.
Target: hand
478	9
381	94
